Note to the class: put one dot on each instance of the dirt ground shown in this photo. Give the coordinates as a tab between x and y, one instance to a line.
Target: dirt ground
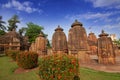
101	67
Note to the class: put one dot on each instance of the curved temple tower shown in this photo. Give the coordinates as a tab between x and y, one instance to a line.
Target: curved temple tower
59	41
77	38
92	41
39	45
106	54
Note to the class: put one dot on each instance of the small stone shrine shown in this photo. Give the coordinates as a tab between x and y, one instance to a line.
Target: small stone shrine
92	41
106	54
39	46
32	47
59	41
77	38
10	41
41	43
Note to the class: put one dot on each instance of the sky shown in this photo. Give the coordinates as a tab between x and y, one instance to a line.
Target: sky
95	15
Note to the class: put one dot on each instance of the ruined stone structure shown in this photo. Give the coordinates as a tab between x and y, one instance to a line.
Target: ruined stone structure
59	41
32	47
92	41
106	54
41	43
39	46
77	38
10	41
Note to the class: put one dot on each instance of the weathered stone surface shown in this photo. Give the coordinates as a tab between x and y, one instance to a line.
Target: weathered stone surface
92	37
41	43
32	47
39	46
92	41
59	41
84	57
77	38
10	40
106	53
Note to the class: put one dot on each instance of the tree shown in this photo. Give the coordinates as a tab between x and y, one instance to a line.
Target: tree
2	27
33	31
12	23
22	30
2	32
48	44
117	42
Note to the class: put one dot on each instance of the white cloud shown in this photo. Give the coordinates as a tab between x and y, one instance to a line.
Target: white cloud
112	26
25	6
96	15
105	3
118	19
104	16
7	5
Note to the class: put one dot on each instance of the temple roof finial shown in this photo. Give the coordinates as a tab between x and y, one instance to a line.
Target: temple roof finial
58	28
76	23
103	31
76	20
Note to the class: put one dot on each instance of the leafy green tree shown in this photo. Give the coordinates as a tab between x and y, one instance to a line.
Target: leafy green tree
117	42
2	32
22	30
33	31
2	27
12	23
48	44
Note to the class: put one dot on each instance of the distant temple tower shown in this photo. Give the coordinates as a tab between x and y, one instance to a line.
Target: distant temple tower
77	38
32	47
113	37
106	54
39	46
92	41
59	41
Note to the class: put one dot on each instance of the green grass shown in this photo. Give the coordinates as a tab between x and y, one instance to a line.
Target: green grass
7	67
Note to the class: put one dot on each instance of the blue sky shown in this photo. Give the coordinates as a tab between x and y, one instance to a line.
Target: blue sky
94	14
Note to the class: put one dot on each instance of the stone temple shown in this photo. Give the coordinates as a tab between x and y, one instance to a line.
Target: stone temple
10	41
92	41
59	41
78	43
77	38
39	46
106	54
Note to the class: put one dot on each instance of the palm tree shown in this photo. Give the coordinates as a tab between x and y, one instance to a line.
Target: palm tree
1	24
12	23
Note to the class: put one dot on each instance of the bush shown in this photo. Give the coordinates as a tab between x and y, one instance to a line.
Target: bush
59	67
27	60
12	53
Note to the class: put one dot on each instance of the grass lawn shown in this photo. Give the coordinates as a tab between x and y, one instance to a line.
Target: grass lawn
7	67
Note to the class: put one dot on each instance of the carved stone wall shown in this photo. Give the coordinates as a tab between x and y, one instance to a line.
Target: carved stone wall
32	47
106	53
77	38
39	46
41	43
11	40
59	41
92	41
